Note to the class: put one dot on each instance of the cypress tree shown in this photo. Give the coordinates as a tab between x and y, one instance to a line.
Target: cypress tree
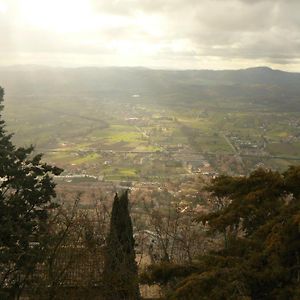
120	269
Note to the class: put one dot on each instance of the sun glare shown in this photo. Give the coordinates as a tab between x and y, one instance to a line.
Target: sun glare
58	15
3	7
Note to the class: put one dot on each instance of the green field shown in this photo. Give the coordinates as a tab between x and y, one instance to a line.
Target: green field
136	139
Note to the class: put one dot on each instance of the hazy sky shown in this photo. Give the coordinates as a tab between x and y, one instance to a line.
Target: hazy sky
210	34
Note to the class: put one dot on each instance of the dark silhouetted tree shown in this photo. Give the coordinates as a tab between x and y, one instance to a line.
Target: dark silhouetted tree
261	259
120	268
26	193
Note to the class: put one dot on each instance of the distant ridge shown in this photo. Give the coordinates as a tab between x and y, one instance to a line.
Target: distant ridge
261	84
45	67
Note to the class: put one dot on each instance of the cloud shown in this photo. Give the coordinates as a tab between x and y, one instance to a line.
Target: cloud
268	30
153	32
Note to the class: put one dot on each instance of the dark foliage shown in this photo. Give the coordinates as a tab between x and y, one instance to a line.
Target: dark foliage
26	193
260	259
120	269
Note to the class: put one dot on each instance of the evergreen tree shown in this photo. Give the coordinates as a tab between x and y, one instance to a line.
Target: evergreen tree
26	193
261	259
120	269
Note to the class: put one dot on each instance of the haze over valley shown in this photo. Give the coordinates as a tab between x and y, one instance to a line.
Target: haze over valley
140	124
149	149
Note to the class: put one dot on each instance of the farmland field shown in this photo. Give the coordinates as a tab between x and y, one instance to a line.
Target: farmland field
137	134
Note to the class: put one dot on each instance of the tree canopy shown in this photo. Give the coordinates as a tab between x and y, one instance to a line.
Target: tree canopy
26	197
260	257
120	269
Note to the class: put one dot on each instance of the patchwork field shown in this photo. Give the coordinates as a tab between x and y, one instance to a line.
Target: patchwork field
140	140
